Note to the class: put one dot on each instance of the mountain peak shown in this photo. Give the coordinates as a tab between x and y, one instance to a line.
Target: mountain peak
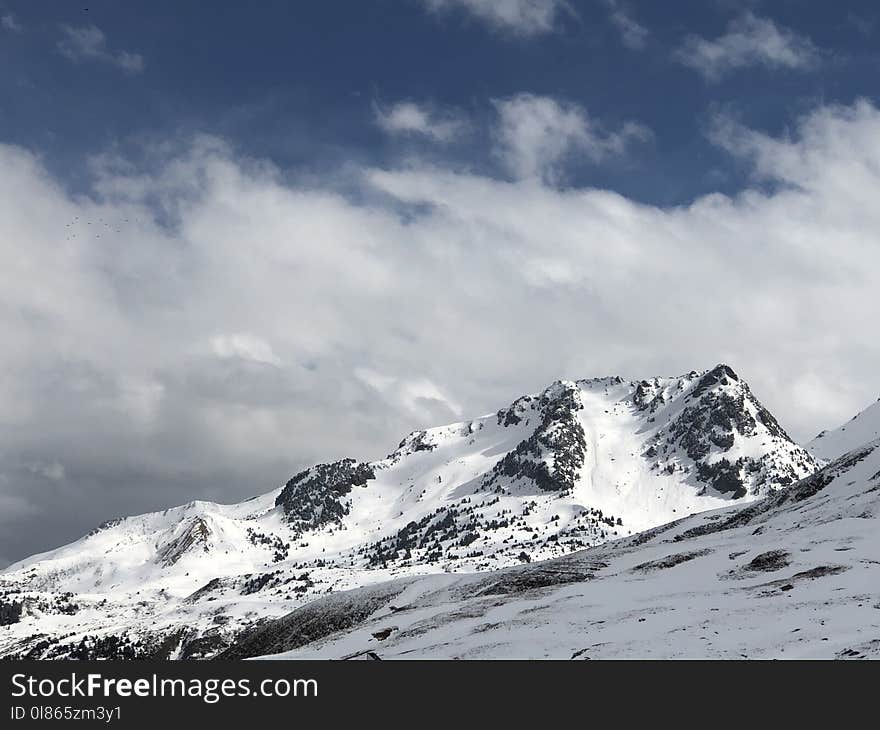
574	465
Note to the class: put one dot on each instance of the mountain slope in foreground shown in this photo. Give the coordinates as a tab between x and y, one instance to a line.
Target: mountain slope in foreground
573	466
860	429
795	575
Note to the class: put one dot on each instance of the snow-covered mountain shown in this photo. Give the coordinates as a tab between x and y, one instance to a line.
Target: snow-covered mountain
578	464
860	429
796	575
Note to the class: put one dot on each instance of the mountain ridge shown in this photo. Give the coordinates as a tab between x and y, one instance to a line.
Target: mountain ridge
793	575
860	429
572	466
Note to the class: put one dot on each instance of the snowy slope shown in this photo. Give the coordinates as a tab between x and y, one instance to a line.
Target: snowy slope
570	467
796	575
860	429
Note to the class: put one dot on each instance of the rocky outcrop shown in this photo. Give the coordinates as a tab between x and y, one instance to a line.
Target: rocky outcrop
718	411
553	455
189	535
316	497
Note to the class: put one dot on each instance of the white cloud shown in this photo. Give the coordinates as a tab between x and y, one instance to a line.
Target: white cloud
632	33
516	17
832	154
537	135
375	380
88	43
52	471
244	347
139	399
749	41
10	23
448	293
419	395
409	118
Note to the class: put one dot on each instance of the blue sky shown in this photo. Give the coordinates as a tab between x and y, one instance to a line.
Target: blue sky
238	241
298	82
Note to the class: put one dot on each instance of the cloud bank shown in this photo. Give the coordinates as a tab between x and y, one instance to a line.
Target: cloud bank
202	327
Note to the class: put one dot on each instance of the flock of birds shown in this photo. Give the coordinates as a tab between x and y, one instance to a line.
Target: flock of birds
73	227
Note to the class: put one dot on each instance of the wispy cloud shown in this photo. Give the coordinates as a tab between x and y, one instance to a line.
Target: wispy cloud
515	17
863	25
10	23
51	471
419	396
749	41
244	347
632	33
411	118
536	135
88	43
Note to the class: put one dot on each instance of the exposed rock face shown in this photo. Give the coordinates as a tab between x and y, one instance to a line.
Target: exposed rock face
516	412
10	612
106	525
191	534
554	454
415	442
718	412
316	496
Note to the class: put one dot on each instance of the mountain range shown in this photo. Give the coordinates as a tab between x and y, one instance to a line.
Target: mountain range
587	501
794	575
